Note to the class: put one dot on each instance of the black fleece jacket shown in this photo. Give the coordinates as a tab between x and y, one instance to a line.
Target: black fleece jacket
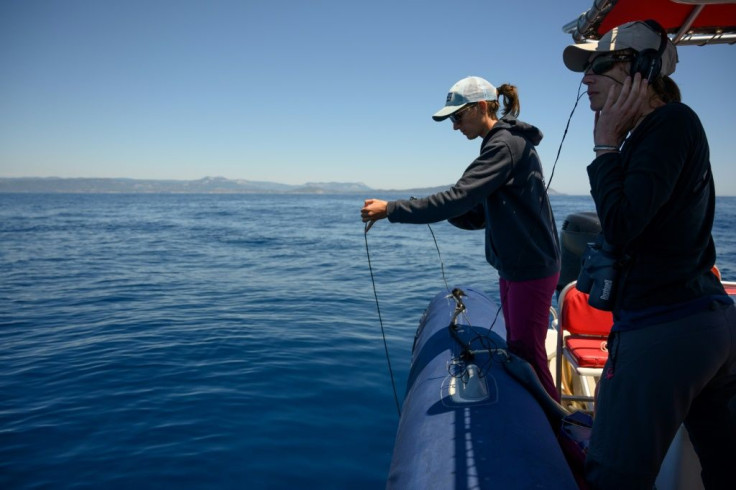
656	203
502	191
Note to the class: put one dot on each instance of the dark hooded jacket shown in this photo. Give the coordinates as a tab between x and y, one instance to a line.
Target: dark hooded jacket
502	191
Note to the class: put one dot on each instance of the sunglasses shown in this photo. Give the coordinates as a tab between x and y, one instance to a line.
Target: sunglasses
602	64
458	116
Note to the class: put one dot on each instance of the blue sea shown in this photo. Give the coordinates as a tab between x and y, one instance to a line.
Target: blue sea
218	341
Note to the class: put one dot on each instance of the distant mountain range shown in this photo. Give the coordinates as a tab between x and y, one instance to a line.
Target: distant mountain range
207	185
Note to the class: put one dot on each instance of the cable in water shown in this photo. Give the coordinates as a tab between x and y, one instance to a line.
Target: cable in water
380	319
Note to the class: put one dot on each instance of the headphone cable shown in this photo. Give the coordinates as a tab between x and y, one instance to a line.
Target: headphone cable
564	134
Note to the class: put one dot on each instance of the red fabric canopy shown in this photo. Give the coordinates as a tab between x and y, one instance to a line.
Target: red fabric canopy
671	15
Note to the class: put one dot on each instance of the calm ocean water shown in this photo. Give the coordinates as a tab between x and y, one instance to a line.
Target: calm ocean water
217	341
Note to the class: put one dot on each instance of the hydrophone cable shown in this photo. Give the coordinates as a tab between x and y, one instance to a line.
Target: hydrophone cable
380	320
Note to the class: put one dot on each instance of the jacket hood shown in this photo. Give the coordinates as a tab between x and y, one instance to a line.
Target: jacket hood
531	133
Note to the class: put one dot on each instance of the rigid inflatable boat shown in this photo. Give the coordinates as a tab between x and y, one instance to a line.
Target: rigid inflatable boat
467	420
473	416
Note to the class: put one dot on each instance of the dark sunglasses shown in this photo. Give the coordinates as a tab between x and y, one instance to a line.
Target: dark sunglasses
458	116
602	64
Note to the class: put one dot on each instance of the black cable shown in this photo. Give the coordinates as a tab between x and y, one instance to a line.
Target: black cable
442	263
559	150
380	320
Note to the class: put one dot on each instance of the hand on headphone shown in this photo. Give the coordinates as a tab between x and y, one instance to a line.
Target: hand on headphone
622	112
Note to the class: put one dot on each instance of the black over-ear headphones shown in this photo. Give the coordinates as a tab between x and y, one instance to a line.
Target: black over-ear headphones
648	62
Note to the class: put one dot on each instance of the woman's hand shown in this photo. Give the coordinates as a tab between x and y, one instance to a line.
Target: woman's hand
373	210
621	113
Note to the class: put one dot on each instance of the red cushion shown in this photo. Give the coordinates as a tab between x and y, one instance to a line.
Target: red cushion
587	352
578	317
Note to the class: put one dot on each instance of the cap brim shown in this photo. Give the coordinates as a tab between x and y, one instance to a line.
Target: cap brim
447	111
576	56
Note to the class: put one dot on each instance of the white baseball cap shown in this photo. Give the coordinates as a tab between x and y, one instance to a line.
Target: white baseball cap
464	92
636	35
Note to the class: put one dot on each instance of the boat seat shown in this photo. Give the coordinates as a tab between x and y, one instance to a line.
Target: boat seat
730	287
582	335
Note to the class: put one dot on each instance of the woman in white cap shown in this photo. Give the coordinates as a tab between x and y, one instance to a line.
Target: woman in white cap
503	192
672	348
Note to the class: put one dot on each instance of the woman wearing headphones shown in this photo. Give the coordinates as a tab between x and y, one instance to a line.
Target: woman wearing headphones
672	348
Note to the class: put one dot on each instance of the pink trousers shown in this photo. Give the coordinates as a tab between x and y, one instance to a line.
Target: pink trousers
526	313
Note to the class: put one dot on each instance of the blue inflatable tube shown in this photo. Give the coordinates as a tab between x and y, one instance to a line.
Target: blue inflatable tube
466	422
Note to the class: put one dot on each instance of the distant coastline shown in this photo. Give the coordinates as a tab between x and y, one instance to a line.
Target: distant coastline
206	185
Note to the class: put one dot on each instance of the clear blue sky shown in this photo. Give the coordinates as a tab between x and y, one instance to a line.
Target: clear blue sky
300	91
